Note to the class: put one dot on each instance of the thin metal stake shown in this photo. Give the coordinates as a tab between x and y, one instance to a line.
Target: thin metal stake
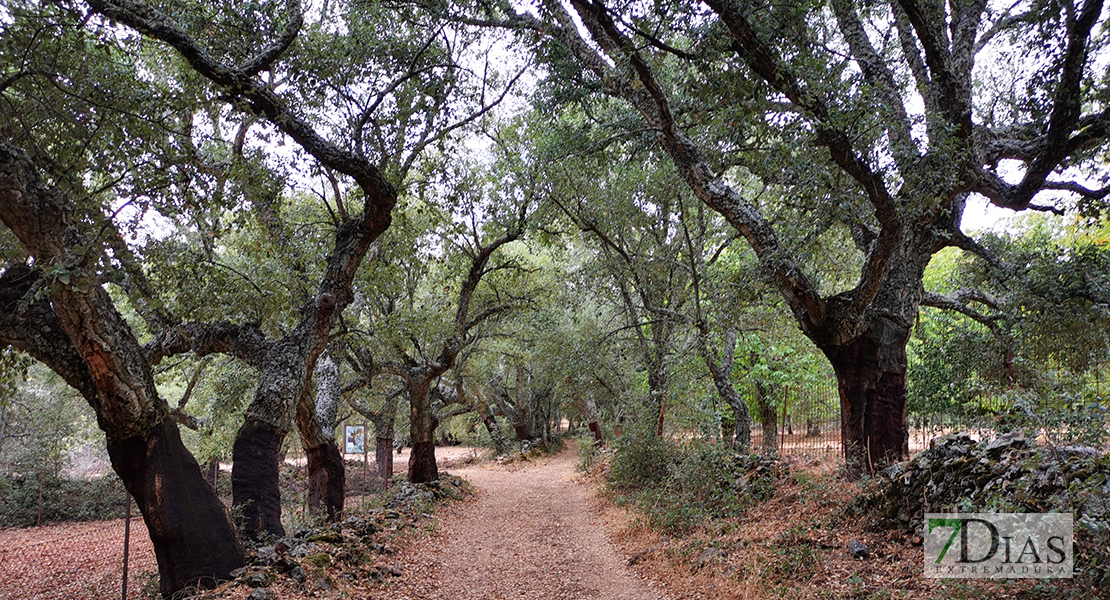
126	544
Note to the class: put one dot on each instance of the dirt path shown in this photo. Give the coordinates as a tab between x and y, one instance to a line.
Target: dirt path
530	534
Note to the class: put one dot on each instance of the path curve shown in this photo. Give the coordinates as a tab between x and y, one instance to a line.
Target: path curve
530	535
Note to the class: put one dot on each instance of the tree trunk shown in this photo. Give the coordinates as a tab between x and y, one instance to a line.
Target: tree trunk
524	416
422	463
77	331
422	459
657	395
179	508
383	458
499	441
3	426
326	479
871	376
384	422
255	475
326	470
741	423
741	430
593	425
769	420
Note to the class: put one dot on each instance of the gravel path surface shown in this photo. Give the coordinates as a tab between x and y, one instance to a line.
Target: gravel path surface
530	534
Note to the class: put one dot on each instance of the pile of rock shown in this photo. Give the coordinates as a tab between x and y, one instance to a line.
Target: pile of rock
307	557
1006	474
447	488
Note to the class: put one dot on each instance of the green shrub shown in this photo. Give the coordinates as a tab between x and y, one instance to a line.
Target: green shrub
680	487
62	499
587	452
641	459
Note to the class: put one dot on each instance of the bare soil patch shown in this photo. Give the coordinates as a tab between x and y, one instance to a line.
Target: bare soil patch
532	532
74	561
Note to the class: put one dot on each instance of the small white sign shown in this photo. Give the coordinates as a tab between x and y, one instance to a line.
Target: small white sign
354	439
999	545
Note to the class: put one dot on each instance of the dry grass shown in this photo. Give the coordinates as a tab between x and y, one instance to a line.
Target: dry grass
73	561
795	546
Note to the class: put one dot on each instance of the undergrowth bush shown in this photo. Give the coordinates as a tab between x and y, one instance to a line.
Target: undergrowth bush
680	486
587	453
62	499
641	459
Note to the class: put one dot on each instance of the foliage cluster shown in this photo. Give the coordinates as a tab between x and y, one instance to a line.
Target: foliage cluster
681	485
1034	354
62	499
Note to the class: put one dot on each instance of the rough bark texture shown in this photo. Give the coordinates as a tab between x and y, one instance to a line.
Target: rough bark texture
768	419
326	480
422	424
326	470
589	411
871	376
911	200
740	432
500	444
285	374
84	338
422	463
255	477
178	506
383	458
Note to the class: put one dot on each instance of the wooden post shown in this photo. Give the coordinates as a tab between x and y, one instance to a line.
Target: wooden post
126	544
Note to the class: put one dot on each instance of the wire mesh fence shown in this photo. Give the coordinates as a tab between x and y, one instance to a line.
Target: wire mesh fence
807	421
75	561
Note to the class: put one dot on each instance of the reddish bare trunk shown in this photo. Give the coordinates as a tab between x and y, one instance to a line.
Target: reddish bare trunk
174	498
422	463
422	426
596	430
871	376
383	458
254	479
326	480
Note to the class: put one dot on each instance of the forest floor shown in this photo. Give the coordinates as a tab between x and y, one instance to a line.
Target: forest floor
541	529
533	531
538	528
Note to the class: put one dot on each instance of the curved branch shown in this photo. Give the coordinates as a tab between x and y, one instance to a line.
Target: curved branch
956	302
764	61
1075	187
1066	105
28	324
261	101
274	51
245	342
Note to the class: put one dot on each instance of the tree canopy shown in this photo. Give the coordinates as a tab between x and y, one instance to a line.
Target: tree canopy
628	214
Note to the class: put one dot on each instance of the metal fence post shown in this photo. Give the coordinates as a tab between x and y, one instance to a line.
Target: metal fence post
126	543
